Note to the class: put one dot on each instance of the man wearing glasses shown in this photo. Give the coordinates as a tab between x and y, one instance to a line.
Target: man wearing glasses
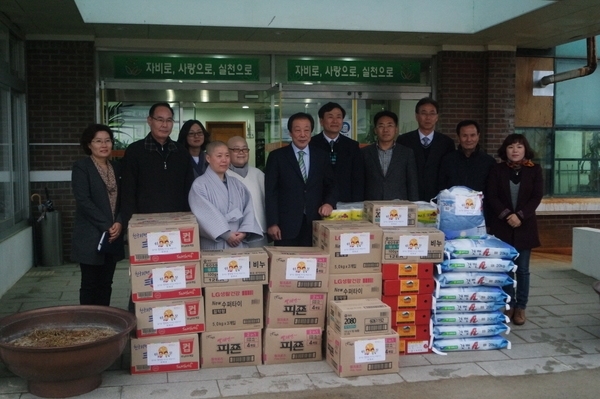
156	170
254	180
429	147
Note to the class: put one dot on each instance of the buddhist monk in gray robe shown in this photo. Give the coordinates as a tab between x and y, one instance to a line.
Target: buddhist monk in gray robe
222	205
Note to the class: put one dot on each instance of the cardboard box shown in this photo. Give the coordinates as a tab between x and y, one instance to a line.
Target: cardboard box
294	309
298	269
413	346
360	317
408	286
356	356
352	247
412	245
165	354
234	267
231	348
168	317
316	229
408	301
234	308
163	238
394	271
292	345
354	286
414	331
165	281
407	316
396	213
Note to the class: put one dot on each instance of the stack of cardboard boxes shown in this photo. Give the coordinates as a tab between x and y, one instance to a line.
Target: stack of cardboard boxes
166	290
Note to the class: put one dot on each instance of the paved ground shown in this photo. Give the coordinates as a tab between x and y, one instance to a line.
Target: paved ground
554	355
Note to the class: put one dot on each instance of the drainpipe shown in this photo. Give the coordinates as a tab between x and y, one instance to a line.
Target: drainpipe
592	62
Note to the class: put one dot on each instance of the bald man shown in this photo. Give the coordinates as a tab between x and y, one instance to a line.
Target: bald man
253	178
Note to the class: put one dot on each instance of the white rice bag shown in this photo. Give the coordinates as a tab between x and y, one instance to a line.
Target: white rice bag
490	247
469	307
460	213
465	279
470	344
478	318
472	294
469	331
493	265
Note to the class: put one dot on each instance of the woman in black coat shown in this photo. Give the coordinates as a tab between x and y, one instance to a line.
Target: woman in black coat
514	191
95	182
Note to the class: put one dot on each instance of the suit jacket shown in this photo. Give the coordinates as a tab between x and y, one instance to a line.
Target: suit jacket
348	168
531	191
428	169
288	197
400	181
93	215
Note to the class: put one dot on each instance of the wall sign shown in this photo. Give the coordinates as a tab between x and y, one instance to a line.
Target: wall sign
353	71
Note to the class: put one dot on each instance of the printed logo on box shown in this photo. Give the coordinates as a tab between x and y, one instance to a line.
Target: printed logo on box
413	246
301	269
355	243
467	205
169	278
233	267
168	317
372	350
163	353
162	243
391	216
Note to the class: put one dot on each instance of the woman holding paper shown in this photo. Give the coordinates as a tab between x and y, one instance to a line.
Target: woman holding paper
97	243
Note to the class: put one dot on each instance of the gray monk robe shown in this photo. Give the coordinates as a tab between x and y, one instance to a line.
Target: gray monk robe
222	208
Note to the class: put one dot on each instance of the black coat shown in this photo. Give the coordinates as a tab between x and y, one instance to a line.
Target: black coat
459	170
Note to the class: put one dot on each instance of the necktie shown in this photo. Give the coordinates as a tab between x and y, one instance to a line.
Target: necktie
425	141
302	165
332	155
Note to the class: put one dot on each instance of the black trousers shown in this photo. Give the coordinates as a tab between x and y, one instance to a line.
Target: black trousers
304	238
96	282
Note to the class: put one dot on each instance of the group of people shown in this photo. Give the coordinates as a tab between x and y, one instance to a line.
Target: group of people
237	205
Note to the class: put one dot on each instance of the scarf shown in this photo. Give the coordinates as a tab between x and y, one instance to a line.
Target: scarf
108	177
243	171
519	164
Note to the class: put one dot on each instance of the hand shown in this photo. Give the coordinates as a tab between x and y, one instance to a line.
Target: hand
513	221
235	239
274	232
115	231
325	210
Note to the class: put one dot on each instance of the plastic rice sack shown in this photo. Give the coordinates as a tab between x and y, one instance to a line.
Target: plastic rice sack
469	307
460	213
478	318
426	214
470	344
487	330
489	247
465	279
472	294
492	265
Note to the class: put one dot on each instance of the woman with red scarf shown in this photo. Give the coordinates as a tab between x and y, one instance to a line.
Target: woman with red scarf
514	191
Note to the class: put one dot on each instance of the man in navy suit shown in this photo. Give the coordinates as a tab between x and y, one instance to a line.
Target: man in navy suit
429	147
299	186
344	153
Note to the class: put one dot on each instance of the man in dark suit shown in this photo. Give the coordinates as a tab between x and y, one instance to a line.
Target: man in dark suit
344	153
429	147
299	186
390	169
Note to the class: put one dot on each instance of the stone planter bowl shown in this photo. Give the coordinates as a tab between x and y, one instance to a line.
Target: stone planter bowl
69	370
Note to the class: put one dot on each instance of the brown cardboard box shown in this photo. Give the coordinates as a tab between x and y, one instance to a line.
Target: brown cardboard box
369	355
298	269
294	309
163	238
396	213
360	317
292	345
251	263
168	317
165	354
412	245
352	247
317	226
354	286
231	348
234	308
165	281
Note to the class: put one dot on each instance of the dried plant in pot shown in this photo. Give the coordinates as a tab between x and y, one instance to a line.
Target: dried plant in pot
68	369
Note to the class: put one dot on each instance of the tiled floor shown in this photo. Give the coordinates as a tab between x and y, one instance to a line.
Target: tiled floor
562	334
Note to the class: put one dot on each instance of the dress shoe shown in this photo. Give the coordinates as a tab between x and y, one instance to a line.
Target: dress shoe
510	313
519	318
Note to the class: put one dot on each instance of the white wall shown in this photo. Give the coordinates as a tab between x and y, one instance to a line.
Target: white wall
17	258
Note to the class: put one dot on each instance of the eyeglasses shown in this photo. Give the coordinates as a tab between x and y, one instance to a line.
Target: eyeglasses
240	150
428	114
100	142
163	121
196	134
